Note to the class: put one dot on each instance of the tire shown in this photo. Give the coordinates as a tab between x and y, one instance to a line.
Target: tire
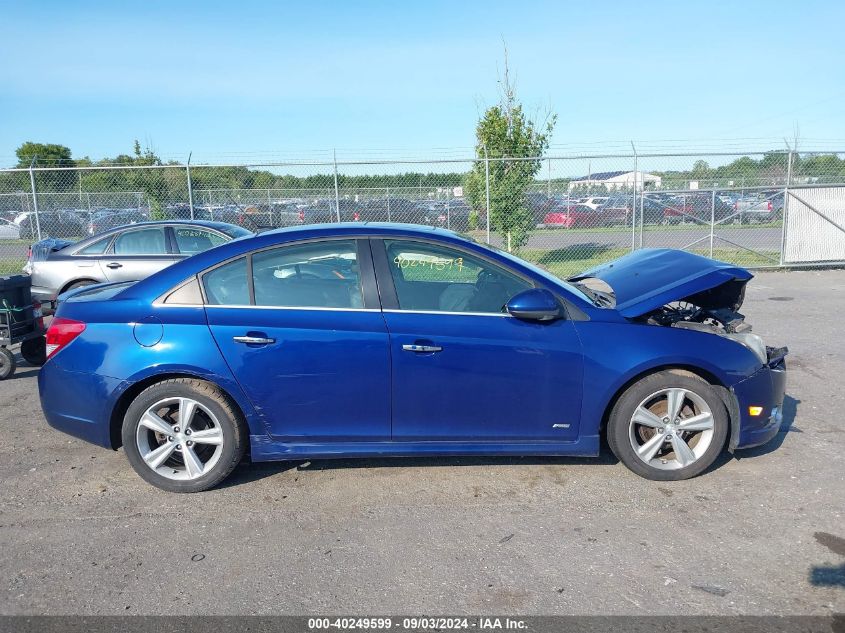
655	438
7	363
34	351
214	414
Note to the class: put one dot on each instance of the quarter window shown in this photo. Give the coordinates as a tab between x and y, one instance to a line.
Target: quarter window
148	241
431	277
97	248
315	275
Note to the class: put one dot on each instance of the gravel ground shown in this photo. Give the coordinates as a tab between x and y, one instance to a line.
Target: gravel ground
762	533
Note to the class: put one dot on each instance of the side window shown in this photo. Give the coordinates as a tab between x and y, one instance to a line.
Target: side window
227	284
97	248
141	242
191	240
316	275
437	278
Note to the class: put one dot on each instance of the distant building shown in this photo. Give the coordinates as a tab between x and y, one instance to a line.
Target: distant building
617	180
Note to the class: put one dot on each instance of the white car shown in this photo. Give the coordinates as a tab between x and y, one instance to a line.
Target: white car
9	230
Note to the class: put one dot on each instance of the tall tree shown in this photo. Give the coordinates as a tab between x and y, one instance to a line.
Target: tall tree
47	154
506	132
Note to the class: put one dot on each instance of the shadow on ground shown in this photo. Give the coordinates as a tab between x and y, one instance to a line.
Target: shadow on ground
249	472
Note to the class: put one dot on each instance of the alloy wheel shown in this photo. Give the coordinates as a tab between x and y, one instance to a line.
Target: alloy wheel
671	429
179	438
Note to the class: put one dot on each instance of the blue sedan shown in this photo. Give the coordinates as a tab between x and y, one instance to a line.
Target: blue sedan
375	340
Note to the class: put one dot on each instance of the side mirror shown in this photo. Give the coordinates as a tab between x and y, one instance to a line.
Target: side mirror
536	304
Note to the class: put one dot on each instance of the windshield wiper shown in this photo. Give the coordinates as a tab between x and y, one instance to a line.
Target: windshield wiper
601	299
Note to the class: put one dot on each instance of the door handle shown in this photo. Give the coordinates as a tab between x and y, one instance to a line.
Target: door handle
422	348
253	340
114	265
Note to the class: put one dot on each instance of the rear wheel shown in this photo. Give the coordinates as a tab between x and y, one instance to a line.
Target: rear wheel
183	435
670	425
7	363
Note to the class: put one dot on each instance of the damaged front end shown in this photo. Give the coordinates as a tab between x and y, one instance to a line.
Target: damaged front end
678	289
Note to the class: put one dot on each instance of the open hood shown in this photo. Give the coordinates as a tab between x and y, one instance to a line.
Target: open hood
648	279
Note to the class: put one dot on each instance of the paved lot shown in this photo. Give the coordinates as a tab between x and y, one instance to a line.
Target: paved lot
762	533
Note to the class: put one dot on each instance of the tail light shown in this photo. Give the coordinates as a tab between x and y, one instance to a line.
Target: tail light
769	205
301	215
29	253
38	315
356	216
241	219
61	333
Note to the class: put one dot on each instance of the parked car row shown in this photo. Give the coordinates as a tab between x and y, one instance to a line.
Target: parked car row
453	214
655	207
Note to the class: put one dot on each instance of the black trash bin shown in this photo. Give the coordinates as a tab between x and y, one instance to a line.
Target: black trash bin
20	323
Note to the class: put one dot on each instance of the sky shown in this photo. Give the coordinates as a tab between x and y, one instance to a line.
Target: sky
246	80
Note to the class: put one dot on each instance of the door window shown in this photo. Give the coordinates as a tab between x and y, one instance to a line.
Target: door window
149	241
227	284
431	277
316	275
192	240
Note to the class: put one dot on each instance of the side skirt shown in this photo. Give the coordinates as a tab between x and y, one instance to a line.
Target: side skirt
264	448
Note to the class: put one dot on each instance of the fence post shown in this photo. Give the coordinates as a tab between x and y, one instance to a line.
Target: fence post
634	202
487	189
785	207
190	186
34	197
336	190
712	219
549	178
387	197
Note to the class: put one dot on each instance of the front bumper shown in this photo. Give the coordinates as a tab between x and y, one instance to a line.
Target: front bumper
765	388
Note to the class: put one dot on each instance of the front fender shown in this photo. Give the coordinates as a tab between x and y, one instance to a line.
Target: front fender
615	354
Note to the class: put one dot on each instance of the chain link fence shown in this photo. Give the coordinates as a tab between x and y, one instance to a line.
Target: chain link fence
566	213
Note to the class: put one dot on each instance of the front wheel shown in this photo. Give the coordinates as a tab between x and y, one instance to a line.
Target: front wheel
668	426
183	435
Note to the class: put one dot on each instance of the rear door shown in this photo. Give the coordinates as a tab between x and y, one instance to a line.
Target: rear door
139	252
301	330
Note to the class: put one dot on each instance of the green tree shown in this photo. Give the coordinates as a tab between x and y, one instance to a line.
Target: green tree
505	132
46	154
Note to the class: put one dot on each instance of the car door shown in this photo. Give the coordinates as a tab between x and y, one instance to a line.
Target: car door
137	253
301	330
464	370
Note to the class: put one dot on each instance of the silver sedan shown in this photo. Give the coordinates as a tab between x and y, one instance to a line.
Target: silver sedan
126	253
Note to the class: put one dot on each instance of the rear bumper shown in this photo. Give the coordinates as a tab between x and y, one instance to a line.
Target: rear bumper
44	295
77	403
765	388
